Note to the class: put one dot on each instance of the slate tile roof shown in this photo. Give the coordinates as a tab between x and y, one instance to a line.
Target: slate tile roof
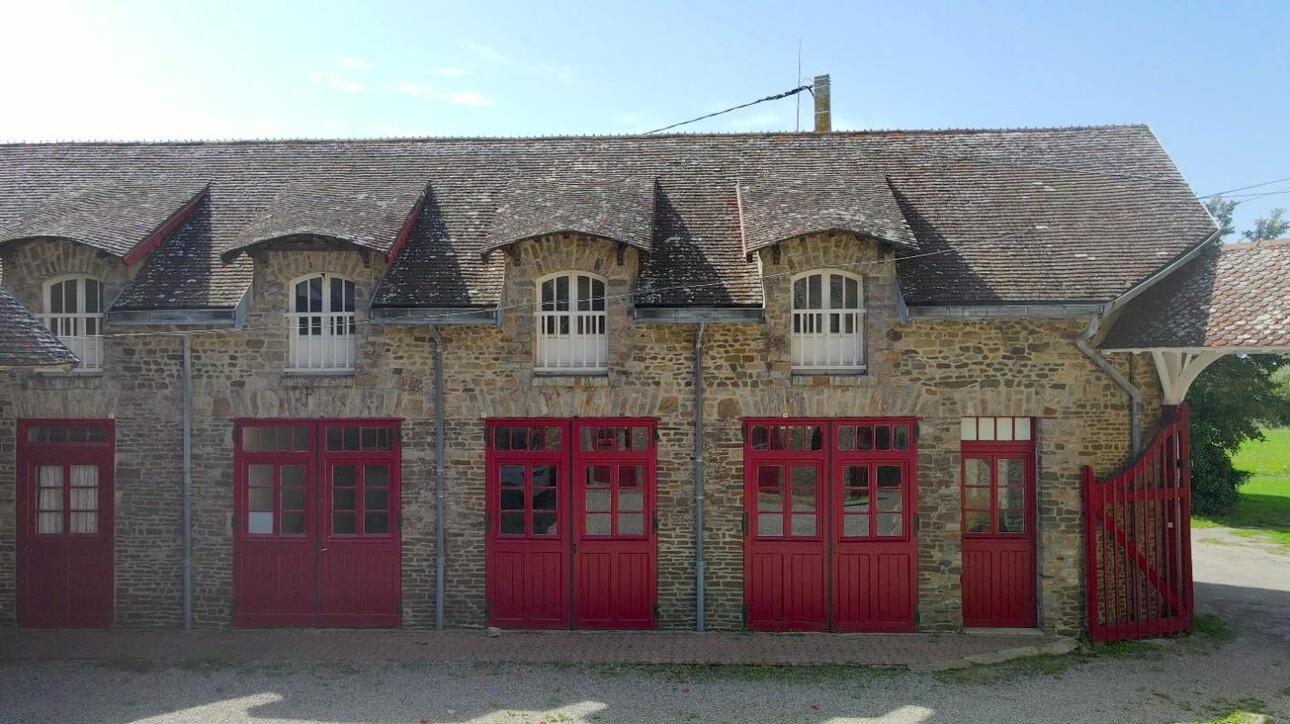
1231	295
1013	216
24	341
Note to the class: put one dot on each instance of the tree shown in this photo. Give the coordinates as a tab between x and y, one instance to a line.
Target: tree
1222	209
1270	227
1229	402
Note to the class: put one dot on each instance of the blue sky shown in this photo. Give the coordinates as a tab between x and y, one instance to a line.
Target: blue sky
1210	78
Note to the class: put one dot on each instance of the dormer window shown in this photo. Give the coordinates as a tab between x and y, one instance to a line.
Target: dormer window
321	324
828	322
74	312
571	322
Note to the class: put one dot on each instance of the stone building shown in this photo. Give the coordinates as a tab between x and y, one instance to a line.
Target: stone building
832	381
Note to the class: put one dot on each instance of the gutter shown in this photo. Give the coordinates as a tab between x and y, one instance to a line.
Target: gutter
435	316
440	557
699	564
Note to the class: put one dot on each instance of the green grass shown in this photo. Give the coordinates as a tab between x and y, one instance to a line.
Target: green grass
1263	508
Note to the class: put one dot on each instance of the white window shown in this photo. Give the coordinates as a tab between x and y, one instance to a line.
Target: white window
571	324
74	312
828	322
321	324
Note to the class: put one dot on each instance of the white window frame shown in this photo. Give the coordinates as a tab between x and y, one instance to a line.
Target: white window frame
78	330
321	341
828	335
572	334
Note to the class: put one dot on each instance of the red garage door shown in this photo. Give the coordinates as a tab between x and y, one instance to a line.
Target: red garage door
65	523
829	541
317	531
999	586
571	533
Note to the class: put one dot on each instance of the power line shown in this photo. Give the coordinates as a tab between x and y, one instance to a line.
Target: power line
775	97
1243	188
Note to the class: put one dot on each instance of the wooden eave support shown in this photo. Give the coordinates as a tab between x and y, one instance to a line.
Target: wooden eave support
1178	370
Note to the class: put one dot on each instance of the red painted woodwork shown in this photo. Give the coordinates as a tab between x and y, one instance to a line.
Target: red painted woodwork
65	523
1138	540
571	537
999	534
317	523
829	525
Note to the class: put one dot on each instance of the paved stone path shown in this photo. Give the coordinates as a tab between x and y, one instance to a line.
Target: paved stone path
884	650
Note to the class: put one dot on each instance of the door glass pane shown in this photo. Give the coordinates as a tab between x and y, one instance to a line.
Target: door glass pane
804	525
293	523
597	500
598	476
631	524
770	524
631	500
376	500
889	500
1011	498
864	438
976	472
760	440
976	521
803	492
890	494
261	499
376	476
512	476
889	524
1011	521
631	476
260	476
846	438
1011	471
900	437
543	476
855	525
770	492
544	499
513	523
976	498
292	498
259	523
293	476
49	480
376	523
341	523
882	437
85	522
344	499
598	524
856	500
546	524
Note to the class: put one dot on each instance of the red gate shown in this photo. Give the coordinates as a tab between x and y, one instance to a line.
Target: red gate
1138	541
571	531
317	523
65	538
829	525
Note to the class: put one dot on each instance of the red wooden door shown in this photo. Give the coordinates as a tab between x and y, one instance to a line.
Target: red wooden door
998	579
65	527
571	538
359	557
785	559
316	541
614	567
829	525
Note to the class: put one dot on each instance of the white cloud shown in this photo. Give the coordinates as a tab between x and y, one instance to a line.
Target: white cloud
334	80
457	98
485	52
449	72
352	63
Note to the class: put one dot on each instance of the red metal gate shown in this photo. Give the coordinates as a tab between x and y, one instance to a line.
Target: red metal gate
571	535
1138	541
829	525
65	532
317	523
998	578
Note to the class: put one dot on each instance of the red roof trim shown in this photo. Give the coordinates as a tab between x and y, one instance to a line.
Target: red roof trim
402	239
153	240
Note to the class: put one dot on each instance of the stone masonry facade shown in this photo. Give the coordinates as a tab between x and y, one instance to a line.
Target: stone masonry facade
938	371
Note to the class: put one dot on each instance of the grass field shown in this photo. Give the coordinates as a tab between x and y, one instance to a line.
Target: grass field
1263	510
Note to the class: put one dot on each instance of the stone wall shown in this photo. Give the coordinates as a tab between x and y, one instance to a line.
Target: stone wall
939	371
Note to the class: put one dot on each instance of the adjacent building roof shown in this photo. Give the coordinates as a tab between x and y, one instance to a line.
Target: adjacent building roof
976	217
24	341
1231	296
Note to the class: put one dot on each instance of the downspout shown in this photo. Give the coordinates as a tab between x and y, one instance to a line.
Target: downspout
186	525
699	564
1135	396
440	558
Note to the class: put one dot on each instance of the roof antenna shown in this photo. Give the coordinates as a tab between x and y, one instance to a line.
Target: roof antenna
799	80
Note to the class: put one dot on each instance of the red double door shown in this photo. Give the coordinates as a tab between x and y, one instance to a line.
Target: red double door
999	576
316	524
571	526
829	538
65	538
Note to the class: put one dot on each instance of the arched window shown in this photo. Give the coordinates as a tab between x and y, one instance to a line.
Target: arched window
571	324
74	312
322	324
828	322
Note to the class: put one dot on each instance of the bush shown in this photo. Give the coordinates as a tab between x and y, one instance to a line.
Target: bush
1214	482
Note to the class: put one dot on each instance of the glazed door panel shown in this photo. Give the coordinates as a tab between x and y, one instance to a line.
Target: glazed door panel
65	523
999	535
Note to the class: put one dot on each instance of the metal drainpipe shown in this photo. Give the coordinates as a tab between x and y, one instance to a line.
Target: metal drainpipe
440	558
186	392
1135	396
699	565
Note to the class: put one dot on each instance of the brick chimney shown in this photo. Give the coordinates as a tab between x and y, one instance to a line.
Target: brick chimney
823	118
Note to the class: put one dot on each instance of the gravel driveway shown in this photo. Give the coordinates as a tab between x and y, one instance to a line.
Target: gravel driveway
1247	583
